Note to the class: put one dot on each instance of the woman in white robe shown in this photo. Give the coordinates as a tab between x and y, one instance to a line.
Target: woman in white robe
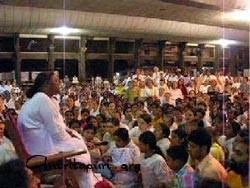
43	129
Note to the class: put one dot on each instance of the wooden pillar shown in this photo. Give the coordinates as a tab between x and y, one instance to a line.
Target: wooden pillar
201	48
233	60
51	50
137	52
82	59
111	52
161	46
18	60
217	58
181	46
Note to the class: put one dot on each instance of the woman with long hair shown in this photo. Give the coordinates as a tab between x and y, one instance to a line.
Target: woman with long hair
154	170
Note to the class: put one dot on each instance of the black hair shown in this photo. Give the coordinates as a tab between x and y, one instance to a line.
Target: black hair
200	123
236	127
85	110
114	121
74	124
178	152
42	79
201	138
182	135
148	138
122	133
13	174
199	110
213	183
89	126
165	130
146	117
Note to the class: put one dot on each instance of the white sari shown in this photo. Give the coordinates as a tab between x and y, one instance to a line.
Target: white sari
44	133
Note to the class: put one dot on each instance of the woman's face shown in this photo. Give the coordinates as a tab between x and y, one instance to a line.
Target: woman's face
189	116
158	133
89	134
2	127
142	124
175	140
2	107
54	84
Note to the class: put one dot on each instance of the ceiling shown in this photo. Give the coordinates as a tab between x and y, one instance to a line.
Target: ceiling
192	20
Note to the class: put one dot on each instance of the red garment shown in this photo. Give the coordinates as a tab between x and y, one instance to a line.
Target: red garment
103	184
183	90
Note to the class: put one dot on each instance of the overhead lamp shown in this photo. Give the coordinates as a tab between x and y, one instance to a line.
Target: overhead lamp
238	15
64	30
224	42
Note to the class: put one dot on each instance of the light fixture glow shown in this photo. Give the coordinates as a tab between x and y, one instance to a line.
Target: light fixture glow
64	30
224	42
239	15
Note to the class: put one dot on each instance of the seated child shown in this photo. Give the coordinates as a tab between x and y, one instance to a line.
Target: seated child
92	142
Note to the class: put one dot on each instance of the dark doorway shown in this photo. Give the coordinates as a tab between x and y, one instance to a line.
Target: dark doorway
29	65
97	67
6	65
67	67
121	66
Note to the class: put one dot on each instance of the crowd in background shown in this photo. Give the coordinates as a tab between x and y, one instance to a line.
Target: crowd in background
183	130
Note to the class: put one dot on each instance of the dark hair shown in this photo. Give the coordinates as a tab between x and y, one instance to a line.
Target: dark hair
42	79
178	152
201	138
85	110
148	138
122	133
89	127
199	110
146	117
182	135
114	121
213	183
165	130
236	127
13	174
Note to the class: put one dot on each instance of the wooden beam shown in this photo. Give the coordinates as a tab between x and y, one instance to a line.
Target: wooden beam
82	59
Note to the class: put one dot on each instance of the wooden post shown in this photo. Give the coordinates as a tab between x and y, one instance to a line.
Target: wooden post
82	59
199	56
18	60
137	52
161	45
51	50
111	51
181	46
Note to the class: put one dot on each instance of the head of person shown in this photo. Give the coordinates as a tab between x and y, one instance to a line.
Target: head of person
177	157
85	114
168	119
93	120
89	132
2	128
213	183
178	138
14	174
162	131
147	143
144	121
240	157
199	144
232	129
47	82
69	116
199	114
111	125
70	103
189	115
2	105
121	137
241	135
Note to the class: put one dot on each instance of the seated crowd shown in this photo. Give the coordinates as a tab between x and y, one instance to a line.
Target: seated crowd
152	129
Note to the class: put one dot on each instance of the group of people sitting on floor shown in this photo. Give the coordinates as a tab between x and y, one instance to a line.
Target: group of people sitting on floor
152	129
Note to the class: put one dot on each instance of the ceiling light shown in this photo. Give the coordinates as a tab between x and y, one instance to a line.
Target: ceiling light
64	30
224	42
239	15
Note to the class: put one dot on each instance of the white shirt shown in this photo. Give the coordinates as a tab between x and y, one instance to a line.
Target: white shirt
154	170
7	150
163	144
44	133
